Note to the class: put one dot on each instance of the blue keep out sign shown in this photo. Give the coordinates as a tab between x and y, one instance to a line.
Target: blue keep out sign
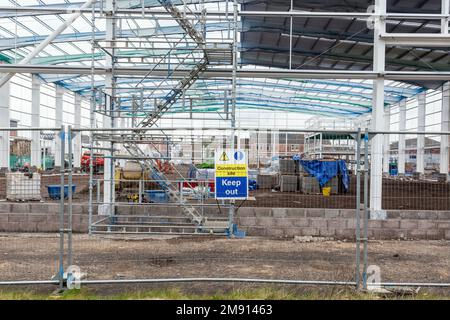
231	172
231	188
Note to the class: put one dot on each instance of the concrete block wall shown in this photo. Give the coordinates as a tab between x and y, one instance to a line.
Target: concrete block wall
41	217
267	222
341	223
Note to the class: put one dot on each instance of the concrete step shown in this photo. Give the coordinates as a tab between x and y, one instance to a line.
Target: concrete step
155	229
158	233
151	219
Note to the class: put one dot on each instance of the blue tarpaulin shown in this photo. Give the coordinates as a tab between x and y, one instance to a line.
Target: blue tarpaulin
324	171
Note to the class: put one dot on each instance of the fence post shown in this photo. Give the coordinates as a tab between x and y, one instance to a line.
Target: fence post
69	194
230	218
61	210
358	209
366	205
91	181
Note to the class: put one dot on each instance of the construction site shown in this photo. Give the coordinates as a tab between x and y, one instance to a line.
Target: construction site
220	144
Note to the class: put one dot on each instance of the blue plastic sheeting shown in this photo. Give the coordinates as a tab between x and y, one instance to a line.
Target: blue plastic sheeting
324	171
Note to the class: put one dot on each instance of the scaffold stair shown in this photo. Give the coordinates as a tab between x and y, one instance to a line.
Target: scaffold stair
187	26
174	94
165	184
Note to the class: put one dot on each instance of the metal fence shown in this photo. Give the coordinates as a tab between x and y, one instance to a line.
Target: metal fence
158	221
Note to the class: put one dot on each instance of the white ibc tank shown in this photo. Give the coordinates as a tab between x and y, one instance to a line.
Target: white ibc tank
20	187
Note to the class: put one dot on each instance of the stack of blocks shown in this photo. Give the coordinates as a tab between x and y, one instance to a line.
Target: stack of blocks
289	175
266	181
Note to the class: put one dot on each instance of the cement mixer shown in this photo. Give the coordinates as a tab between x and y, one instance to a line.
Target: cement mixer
127	180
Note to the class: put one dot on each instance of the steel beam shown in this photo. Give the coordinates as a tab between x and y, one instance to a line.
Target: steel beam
226	73
49	39
41	10
416	39
379	60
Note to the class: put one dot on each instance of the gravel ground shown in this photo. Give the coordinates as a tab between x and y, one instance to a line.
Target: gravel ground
35	257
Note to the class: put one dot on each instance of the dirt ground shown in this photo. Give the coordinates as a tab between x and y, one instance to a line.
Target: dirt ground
35	257
397	195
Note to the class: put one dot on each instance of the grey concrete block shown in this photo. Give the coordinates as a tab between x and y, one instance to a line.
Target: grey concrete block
315	213
390	224
447	234
28	227
265	181
283	222
388	234
246	221
37	218
47	227
18	217
279	213
40	208
348	213
345	234
435	234
429	215
168	211
426	224
84	208
256	231
292	232
409	224
288	166
275	232
262	212
301	222
246	212
296	212
138	210
52	208
318	223
325	232
80	228
77	209
409	214
332	213
10	227
351	224
288	183
310	231
337	224
417	234
393	214
443	215
20	208
265	221
374	224
443	225
5	208
310	185
85	219
3	218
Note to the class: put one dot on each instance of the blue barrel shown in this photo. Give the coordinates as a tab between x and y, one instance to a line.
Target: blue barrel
158	196
393	172
54	191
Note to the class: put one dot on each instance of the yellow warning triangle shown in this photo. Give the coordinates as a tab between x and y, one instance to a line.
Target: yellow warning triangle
224	157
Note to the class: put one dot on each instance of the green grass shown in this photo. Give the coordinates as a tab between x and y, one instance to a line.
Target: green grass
263	293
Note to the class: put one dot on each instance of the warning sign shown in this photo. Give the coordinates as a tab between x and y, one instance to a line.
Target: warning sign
224	157
231	174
